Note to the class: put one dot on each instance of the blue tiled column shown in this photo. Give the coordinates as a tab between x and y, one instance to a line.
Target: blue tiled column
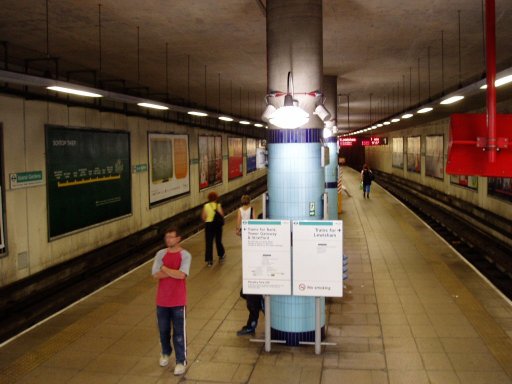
295	182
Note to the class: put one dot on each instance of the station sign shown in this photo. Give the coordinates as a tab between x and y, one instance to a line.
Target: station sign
362	141
26	179
318	258
266	257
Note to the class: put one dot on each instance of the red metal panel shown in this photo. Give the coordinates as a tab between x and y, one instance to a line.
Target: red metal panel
467	151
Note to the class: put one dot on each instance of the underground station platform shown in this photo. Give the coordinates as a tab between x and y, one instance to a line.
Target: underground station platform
412	311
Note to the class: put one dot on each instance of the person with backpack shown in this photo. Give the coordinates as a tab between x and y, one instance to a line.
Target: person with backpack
213	217
366	179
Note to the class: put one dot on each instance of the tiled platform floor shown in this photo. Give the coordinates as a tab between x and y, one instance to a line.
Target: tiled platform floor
413	313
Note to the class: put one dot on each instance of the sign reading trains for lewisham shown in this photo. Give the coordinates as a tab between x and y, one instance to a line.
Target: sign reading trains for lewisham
318	258
266	252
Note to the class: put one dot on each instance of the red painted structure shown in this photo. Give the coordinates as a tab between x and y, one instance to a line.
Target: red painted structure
480	144
468	147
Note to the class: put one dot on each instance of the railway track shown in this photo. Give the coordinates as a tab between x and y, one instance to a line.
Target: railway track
490	255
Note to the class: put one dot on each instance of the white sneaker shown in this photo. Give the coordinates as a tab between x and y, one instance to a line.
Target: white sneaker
179	369
164	360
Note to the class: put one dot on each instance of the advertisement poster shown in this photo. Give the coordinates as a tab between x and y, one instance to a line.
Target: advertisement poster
210	161
235	157
470	182
168	166
398	152
434	160
266	253
88	177
251	155
500	187
414	154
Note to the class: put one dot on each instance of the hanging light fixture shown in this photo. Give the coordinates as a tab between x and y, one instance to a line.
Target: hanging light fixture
73	91
452	99
289	116
153	106
425	110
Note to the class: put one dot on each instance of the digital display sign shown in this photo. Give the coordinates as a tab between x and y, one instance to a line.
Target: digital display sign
362	141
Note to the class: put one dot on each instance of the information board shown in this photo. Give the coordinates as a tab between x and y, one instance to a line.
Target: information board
88	177
318	258
266	257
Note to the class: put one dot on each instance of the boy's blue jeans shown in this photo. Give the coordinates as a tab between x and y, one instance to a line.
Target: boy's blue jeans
175	316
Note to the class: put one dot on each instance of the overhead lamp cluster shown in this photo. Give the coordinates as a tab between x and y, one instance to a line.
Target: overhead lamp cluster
291	115
505	78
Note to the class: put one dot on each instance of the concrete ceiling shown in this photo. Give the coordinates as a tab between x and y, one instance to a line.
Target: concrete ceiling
372	46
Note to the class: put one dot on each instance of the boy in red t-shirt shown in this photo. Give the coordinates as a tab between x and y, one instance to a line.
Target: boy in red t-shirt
171	267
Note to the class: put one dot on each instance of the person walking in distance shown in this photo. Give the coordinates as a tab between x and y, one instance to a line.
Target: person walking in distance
213	228
366	178
171	267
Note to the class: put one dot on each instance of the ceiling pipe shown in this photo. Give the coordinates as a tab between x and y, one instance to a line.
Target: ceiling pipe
490	51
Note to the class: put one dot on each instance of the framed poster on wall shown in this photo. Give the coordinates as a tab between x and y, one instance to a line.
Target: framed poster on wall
434	159
169	174
470	182
235	157
414	154
251	155
500	187
3	247
398	152
210	161
88	177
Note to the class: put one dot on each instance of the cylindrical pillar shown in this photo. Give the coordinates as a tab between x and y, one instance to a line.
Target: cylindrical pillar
295	176
331	171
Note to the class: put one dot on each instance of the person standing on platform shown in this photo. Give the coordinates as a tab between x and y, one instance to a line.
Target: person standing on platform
213	228
253	302
366	178
245	212
171	268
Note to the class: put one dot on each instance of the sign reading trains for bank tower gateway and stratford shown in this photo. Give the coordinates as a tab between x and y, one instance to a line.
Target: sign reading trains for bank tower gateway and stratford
266	252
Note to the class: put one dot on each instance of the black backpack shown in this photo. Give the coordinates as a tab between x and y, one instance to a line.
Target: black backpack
218	219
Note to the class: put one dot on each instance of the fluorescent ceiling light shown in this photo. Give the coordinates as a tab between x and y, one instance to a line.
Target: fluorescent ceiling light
153	106
425	110
386	123
196	113
407	116
395	120
244	122
452	99
225	118
498	82
73	91
258	125
379	125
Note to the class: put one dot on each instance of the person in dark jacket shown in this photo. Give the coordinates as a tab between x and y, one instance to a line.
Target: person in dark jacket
366	178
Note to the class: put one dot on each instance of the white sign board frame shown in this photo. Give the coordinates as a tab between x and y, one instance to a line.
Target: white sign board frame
318	258
266	257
